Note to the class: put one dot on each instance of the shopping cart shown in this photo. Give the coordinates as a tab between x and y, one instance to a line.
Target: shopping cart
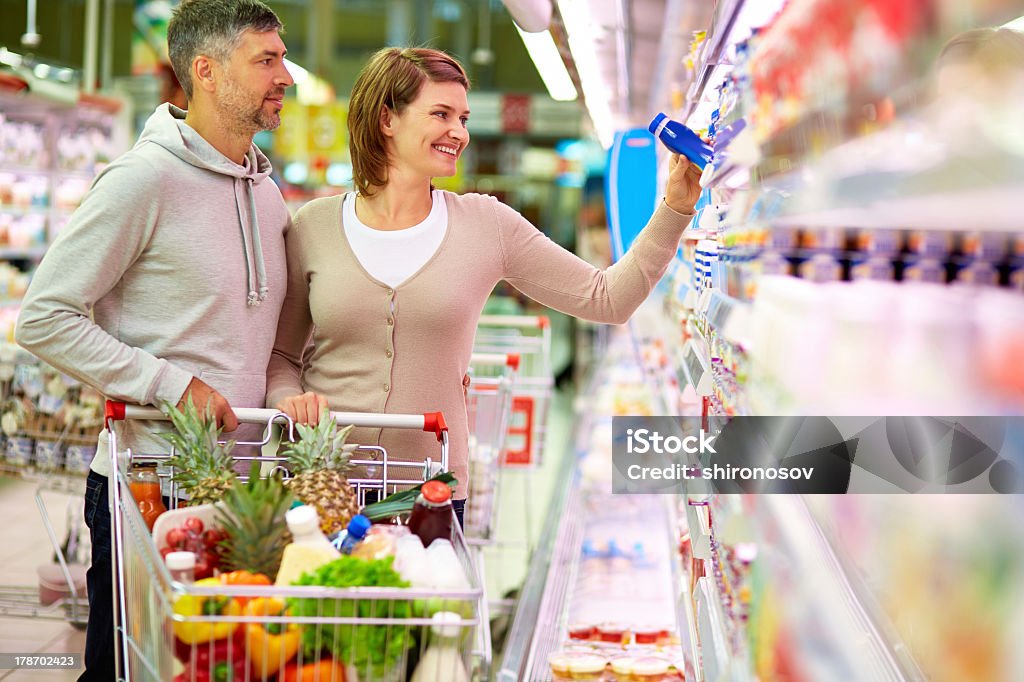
488	405
383	629
529	337
488	401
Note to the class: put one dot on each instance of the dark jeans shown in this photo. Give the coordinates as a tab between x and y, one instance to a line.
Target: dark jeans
459	506
99	636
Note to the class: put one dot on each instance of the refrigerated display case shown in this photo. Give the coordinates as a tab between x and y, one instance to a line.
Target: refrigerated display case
856	250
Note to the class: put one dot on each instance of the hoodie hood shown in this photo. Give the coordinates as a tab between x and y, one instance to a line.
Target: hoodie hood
166	127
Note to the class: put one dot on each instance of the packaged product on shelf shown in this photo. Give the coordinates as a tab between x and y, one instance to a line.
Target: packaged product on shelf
880	242
989	246
821	268
980	273
879	269
925	270
931	244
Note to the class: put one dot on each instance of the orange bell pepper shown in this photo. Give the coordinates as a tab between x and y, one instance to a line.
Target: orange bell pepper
269	645
243	578
325	670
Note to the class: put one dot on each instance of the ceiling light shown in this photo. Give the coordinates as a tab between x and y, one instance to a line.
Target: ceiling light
1016	25
298	74
550	66
580	28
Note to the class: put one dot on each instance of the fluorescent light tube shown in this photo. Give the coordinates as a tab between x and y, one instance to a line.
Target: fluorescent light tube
550	66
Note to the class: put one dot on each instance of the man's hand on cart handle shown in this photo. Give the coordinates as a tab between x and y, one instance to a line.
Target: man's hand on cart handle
305	408
203	395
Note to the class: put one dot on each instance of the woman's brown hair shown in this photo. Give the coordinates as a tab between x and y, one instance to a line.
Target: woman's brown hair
392	78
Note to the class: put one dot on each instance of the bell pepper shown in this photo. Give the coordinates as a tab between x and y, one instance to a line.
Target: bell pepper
189	605
222	660
270	645
324	670
244	578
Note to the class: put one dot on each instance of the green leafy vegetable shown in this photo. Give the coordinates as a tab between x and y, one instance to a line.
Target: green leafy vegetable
367	647
403	501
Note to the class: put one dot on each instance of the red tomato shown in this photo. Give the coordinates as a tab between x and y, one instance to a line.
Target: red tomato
176	538
194	525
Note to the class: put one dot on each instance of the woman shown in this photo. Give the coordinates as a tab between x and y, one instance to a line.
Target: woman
388	282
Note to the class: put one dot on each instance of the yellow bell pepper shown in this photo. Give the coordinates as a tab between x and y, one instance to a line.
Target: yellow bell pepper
188	605
269	645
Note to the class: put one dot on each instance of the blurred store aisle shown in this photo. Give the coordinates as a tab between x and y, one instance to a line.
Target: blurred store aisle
26	548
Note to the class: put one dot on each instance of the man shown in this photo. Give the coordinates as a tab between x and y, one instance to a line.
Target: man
169	279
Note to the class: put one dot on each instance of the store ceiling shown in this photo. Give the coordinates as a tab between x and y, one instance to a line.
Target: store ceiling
638	45
356	29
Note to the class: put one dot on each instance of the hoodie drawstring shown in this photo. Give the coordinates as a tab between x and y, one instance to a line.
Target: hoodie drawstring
257	281
257	246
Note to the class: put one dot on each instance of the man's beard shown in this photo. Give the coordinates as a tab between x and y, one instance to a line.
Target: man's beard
241	115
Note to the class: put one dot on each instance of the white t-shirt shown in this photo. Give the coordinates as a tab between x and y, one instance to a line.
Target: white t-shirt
393	256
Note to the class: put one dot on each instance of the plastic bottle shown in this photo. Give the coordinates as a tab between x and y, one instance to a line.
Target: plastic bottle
432	514
182	566
411	561
681	140
309	549
347	539
446	572
442	661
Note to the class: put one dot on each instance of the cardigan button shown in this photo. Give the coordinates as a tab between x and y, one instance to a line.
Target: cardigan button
388	353
391	292
387	388
391	321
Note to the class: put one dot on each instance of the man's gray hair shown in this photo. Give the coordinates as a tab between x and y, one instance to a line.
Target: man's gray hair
212	28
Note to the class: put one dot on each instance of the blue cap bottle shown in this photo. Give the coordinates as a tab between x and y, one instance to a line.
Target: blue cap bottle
681	140
353	535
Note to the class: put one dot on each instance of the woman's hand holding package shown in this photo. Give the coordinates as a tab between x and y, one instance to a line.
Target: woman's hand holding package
305	408
683	187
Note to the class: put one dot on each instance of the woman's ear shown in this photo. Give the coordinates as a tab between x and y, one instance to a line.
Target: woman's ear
385	121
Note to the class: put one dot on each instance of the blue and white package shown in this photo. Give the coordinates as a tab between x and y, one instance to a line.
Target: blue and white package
681	140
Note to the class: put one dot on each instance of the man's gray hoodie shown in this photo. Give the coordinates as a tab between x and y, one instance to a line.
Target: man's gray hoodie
165	272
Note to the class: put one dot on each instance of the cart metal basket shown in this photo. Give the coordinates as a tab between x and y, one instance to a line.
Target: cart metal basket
383	632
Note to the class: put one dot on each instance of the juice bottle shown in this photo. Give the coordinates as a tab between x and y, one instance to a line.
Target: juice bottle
432	514
145	488
310	548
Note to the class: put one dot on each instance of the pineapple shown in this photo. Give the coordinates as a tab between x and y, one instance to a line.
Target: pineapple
319	465
202	466
253	520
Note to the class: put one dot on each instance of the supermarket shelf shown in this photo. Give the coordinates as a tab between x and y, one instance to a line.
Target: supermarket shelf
24	210
538	603
852	640
726	12
28	253
694	367
908	177
23	170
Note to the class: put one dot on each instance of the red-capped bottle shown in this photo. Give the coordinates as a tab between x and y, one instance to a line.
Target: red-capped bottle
432	514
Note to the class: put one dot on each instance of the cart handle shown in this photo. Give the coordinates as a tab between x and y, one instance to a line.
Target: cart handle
527	321
495	359
431	422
